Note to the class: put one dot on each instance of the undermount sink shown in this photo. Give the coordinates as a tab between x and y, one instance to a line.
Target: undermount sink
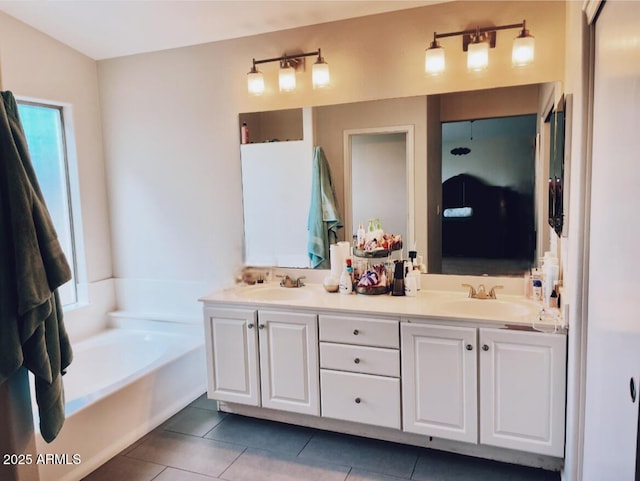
273	293
491	308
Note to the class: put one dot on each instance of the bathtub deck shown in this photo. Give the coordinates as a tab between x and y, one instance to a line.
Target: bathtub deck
201	444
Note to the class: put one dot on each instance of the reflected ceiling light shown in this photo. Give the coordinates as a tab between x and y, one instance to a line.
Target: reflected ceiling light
289	64
476	43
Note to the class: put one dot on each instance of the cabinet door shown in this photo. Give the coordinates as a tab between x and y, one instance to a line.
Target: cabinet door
439	381
232	355
522	390
289	361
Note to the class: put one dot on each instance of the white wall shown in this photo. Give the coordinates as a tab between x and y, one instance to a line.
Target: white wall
33	65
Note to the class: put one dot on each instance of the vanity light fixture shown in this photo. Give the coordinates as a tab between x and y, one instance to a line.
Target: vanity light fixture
476	43
287	74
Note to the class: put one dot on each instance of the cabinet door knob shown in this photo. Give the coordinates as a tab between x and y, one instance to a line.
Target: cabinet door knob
356	332
250	325
632	390
469	347
260	326
358	400
357	360
485	347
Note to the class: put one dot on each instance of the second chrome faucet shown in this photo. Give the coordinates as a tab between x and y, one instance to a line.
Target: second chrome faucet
481	292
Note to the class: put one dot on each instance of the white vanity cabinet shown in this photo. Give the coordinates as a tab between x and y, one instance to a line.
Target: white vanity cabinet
360	369
483	387
439	381
263	358
511	381
289	361
522	390
231	337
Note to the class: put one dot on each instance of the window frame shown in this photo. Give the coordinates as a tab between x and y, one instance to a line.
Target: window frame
72	185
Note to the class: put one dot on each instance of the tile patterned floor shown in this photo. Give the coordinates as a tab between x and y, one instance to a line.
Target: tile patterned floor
202	444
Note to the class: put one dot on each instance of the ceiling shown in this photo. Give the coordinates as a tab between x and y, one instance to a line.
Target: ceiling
104	29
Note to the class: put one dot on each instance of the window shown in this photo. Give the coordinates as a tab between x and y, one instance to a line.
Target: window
44	129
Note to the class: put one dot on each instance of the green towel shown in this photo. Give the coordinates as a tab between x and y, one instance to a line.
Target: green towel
324	217
32	332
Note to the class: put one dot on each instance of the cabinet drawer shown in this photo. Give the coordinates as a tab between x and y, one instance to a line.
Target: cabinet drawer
363	359
361	398
360	330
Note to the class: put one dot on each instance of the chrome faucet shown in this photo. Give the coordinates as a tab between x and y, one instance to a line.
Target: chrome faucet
481	292
291	282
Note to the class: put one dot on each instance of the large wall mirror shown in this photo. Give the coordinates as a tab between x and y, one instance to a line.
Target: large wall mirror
422	131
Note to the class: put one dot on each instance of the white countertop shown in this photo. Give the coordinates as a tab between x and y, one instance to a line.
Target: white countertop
428	304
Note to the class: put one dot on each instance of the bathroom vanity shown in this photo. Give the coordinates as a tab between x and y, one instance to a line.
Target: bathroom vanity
437	370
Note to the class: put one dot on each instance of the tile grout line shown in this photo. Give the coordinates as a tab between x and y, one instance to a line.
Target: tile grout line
415	465
156	476
305	444
224	418
232	462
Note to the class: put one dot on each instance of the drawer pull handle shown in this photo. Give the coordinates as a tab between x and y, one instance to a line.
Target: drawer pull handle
469	347
485	347
632	390
260	326
250	325
358	400
356	332
357	360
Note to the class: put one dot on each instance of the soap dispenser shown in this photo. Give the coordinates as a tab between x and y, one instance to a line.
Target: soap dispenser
398	279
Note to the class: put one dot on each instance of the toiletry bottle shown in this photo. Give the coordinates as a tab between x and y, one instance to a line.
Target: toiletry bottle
244	133
360	236
346	284
553	298
398	279
536	275
370	234
537	290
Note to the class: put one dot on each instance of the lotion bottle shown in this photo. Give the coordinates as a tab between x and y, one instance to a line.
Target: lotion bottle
346	284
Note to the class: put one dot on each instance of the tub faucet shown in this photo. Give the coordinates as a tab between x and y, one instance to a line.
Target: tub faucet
481	292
